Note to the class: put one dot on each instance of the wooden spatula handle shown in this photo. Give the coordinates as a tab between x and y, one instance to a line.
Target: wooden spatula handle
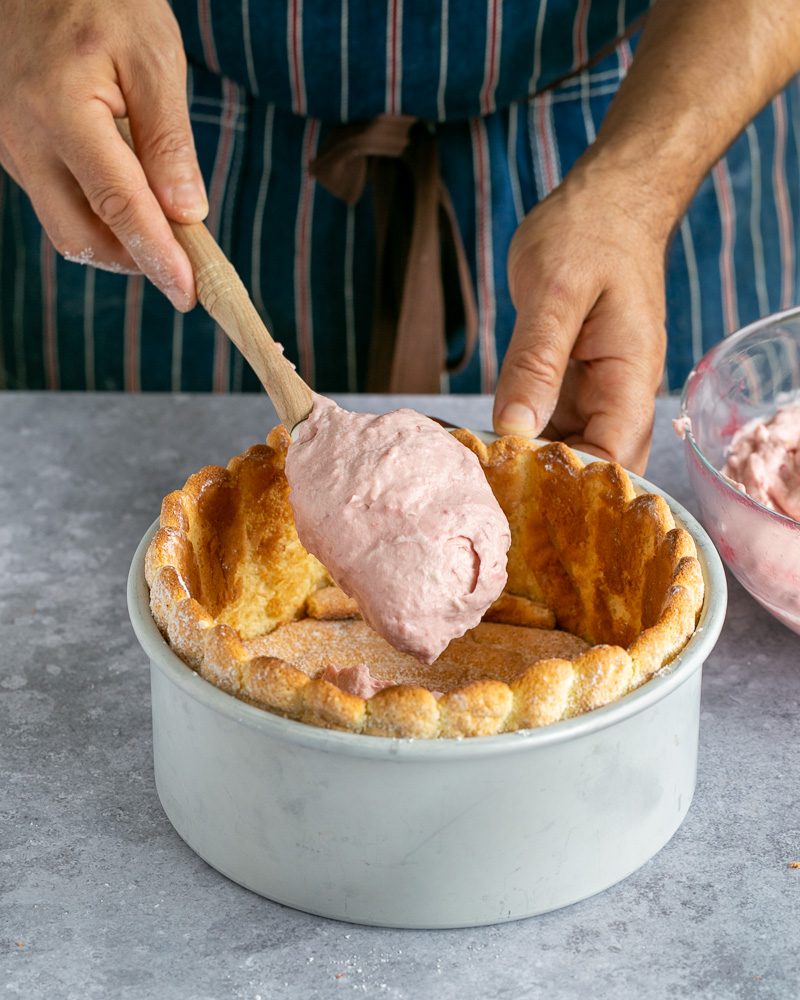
224	297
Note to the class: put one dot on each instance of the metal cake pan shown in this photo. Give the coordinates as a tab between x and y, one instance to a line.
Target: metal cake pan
428	833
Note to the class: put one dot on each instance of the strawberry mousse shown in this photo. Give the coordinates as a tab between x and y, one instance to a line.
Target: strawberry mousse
763	460
403	518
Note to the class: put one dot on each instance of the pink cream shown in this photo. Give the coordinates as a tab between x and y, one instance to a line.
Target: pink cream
354	680
402	516
764	460
359	680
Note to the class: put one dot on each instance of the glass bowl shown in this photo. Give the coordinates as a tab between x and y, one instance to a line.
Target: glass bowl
748	375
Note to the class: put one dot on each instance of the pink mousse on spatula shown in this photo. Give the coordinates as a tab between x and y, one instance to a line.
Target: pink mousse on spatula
403	518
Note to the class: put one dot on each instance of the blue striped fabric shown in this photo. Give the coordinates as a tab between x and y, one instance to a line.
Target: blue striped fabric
353	60
268	82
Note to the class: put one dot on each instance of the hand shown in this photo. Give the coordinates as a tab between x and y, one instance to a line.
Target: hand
586	273
70	69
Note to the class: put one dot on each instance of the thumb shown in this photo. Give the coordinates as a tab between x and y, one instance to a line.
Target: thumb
533	370
162	135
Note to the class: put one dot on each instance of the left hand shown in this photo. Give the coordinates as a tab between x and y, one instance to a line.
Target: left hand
586	359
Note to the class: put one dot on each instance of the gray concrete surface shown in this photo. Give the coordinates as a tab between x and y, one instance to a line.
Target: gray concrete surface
99	898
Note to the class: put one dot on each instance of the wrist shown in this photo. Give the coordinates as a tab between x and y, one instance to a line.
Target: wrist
650	155
628	190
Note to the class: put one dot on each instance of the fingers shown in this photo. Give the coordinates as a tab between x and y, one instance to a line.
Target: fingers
535	363
162	136
72	226
594	390
617	399
117	190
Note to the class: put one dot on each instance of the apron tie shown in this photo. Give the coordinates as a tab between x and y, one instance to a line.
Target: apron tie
421	265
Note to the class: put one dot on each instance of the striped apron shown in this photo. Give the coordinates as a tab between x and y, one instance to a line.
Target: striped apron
504	97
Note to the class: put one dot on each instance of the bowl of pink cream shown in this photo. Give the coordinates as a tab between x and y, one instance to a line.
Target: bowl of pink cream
740	421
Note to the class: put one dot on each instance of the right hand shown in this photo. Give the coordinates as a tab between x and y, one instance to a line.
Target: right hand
586	274
68	71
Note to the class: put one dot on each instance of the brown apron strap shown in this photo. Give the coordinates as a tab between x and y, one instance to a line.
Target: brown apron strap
398	152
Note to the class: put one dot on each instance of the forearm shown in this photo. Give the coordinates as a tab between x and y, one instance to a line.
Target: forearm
703	69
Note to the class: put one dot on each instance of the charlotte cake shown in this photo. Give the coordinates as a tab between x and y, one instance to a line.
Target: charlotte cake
603	590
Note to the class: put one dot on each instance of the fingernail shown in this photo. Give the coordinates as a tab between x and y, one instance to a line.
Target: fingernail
189	198
516	418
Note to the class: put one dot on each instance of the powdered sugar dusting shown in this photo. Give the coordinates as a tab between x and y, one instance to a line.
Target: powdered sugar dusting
351	650
87	258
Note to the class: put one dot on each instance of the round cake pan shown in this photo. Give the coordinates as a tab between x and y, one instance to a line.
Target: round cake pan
428	833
